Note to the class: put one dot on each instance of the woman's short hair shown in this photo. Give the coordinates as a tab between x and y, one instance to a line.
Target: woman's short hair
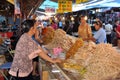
26	25
98	23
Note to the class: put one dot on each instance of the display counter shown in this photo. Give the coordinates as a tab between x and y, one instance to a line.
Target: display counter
84	60
55	72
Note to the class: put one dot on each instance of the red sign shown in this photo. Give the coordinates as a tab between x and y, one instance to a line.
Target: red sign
49	10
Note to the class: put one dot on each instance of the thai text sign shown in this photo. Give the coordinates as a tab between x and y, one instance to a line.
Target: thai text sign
80	1
65	5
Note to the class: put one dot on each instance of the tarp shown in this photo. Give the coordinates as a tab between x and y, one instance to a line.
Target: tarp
87	5
112	4
117	1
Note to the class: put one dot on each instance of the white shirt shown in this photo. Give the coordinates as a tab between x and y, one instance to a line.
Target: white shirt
108	28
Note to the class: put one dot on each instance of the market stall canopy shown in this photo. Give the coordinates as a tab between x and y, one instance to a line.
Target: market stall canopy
110	4
82	6
28	6
100	4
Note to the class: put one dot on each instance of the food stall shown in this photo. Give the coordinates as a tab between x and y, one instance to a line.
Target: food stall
83	60
55	72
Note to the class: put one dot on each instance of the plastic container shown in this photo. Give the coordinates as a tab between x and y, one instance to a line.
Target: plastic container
62	56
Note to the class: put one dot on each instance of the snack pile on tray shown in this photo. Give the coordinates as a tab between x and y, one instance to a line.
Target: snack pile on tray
61	39
102	61
48	34
93	62
74	48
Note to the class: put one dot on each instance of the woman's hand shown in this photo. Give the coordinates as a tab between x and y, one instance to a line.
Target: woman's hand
56	60
43	55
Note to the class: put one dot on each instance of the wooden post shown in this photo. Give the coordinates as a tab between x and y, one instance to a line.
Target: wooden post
35	8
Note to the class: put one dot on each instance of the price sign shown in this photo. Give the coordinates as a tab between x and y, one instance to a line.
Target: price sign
65	5
81	1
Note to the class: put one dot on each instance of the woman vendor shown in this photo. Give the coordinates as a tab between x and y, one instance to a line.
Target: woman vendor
84	30
26	50
100	35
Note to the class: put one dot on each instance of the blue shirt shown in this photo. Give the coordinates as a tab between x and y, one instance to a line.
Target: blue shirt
45	24
100	36
60	24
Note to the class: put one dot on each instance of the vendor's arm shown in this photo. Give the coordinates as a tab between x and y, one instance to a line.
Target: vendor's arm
46	57
37	37
91	38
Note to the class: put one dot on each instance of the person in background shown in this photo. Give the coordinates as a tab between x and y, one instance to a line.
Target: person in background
14	28
54	25
100	35
76	24
70	28
5	46
26	50
108	29
115	25
60	24
44	23
114	38
118	35
118	31
4	24
66	25
84	30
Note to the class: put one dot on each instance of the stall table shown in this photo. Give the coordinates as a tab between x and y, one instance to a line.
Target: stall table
56	72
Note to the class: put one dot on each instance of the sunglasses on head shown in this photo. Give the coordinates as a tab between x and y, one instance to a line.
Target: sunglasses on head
97	22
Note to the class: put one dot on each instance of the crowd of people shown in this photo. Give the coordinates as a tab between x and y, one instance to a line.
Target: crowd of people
104	32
